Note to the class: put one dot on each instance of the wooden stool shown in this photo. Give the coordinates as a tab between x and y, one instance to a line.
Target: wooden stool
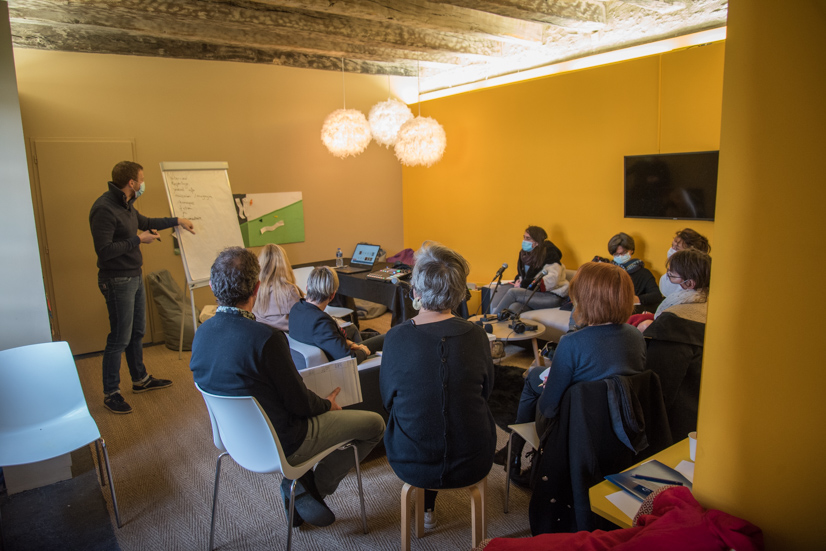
477	511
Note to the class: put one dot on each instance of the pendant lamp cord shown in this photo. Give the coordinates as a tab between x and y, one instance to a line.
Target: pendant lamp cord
343	88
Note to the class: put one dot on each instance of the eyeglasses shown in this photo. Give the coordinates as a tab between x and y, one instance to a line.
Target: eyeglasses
671	277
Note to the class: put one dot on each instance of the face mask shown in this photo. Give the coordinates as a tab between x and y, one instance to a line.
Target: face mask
527	246
140	190
671	251
622	258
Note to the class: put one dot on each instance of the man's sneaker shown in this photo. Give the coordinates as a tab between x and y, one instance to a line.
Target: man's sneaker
430	520
151	384
116	404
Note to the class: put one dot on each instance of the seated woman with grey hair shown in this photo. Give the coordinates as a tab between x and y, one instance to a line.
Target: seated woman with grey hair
310	324
436	377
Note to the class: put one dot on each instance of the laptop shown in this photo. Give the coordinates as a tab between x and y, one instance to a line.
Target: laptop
363	259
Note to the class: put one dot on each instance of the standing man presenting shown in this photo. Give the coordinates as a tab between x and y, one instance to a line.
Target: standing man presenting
115	223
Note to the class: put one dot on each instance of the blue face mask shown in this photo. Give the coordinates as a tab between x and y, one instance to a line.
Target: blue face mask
622	258
140	190
527	246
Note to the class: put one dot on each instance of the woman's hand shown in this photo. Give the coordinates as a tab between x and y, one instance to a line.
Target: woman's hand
364	348
643	325
517	282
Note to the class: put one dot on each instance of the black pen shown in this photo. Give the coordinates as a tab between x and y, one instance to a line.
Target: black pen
155	232
654	479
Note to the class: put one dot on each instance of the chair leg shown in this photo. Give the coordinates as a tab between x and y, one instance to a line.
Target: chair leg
419	500
100	464
483	490
406	489
111	484
215	499
290	516
361	490
477	513
508	472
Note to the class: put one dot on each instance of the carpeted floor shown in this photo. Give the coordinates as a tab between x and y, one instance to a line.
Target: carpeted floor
163	463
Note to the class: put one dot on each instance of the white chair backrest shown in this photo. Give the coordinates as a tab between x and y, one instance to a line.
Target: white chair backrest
301	275
306	355
246	433
39	386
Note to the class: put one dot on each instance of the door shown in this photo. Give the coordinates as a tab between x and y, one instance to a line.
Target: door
69	175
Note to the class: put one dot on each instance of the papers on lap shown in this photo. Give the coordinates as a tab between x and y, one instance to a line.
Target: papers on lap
323	379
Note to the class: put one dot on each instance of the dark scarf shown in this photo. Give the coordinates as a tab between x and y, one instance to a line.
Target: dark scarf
631	266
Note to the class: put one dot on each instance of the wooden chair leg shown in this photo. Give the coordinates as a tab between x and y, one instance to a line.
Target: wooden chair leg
477	515
406	489
419	497
483	488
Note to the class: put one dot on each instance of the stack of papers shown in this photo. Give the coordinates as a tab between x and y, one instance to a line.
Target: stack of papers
629	503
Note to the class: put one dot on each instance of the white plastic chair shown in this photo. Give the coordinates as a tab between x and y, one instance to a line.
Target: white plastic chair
241	429
301	275
43	413
528	432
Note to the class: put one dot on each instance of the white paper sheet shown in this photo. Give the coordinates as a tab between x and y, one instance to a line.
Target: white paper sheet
625	503
686	468
323	379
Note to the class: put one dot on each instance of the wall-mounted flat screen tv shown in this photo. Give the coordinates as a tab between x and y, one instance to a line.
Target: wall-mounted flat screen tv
677	186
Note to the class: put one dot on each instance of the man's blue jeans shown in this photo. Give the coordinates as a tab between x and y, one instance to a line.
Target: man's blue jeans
126	302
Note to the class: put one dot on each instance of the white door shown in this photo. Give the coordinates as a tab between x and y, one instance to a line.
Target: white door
69	175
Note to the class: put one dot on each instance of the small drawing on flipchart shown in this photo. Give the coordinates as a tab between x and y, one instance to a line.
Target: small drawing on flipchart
265	229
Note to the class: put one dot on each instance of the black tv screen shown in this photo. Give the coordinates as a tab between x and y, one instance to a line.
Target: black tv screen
676	186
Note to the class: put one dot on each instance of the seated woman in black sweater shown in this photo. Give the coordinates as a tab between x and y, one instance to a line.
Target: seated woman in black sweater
311	325
603	297
436	378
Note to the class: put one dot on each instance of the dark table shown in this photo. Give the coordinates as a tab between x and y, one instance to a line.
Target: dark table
381	292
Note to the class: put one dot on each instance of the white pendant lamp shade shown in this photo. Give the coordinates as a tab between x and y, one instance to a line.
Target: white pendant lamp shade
421	141
346	132
386	118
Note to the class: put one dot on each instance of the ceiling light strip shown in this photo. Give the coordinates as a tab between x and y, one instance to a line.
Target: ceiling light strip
625	54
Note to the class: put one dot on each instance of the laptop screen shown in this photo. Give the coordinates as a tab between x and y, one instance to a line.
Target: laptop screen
365	254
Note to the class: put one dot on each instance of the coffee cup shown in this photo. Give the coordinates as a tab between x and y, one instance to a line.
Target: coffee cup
692	445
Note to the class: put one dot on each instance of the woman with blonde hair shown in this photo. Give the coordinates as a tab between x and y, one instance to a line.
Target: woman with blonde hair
278	291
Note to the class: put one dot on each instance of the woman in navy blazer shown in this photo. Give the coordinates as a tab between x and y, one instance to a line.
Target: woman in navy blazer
311	325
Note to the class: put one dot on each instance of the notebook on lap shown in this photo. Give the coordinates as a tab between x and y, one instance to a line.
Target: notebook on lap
363	259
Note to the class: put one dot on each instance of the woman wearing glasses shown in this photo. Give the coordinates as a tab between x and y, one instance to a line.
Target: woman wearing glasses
675	338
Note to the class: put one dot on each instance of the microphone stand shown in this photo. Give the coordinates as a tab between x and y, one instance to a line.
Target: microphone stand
493	294
525	304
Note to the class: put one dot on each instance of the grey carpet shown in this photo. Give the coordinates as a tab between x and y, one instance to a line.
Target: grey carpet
68	515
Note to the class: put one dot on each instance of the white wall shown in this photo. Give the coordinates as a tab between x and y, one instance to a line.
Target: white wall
24	317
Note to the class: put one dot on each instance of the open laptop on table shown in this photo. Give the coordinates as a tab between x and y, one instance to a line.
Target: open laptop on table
364	257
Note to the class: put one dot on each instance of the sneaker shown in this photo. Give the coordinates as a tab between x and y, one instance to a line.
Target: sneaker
430	520
308	502
116	404
285	493
151	384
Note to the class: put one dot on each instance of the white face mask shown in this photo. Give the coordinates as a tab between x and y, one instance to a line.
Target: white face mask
622	258
671	251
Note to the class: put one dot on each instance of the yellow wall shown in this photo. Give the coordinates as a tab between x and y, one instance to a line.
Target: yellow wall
264	120
550	152
761	438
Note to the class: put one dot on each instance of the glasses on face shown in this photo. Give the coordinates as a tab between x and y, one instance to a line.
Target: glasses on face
671	277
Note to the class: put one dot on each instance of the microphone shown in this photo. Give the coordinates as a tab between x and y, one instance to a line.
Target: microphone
539	276
501	270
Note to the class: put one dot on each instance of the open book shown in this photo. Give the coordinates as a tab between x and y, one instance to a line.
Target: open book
324	378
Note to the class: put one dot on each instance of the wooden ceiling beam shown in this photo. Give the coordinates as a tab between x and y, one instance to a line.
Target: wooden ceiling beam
426	15
230	33
129	15
109	41
572	14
